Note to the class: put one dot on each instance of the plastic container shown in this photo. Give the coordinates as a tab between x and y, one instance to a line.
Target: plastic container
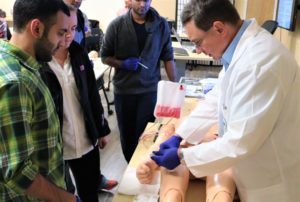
170	98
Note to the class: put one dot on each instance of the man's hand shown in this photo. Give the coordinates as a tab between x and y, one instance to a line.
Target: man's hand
166	157
102	141
45	190
130	64
173	141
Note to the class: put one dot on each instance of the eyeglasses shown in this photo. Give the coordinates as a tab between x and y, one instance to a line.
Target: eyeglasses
198	42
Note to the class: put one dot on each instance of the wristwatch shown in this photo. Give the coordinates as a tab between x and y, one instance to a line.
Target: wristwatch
181	157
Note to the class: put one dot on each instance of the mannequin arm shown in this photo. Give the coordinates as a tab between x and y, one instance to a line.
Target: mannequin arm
219	187
173	183
146	169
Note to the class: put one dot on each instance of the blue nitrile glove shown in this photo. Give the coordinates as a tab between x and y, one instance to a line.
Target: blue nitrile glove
130	64
173	141
167	158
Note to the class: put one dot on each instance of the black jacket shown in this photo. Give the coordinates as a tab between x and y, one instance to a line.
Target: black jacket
120	41
95	123
80	26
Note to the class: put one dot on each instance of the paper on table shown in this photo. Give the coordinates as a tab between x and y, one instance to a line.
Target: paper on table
194	91
146	198
130	185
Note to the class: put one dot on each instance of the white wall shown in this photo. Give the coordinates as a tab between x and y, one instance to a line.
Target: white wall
105	10
7	6
101	10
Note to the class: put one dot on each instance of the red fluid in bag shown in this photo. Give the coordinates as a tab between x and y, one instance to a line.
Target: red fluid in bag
166	111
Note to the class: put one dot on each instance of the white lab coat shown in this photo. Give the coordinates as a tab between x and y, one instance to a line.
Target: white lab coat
259	96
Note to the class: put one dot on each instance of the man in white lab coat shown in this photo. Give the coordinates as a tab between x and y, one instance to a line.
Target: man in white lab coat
256	104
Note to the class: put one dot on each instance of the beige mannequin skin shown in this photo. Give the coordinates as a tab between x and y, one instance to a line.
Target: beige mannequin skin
219	187
173	183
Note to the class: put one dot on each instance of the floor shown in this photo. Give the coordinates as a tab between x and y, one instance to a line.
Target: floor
112	161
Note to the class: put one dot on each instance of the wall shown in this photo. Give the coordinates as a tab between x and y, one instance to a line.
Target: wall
7	5
266	9
100	10
291	40
166	8
105	11
241	6
259	9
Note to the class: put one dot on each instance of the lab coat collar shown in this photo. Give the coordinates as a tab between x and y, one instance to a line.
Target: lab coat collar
228	54
250	32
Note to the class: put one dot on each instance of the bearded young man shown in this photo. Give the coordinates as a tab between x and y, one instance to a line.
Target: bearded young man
31	164
141	36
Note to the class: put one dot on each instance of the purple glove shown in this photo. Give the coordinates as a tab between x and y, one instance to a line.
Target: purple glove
130	64
173	141
167	158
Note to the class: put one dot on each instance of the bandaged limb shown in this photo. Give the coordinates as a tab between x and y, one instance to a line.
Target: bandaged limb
220	187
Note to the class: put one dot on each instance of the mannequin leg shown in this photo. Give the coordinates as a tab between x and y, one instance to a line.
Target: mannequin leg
174	184
220	187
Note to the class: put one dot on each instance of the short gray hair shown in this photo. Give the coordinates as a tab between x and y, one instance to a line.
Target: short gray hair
206	12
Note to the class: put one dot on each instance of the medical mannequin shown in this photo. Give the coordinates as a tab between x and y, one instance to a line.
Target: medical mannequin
173	183
219	187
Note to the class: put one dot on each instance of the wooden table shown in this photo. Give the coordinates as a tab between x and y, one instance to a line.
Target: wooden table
196	189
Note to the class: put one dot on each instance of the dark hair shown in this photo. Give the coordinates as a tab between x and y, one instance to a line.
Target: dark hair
206	12
44	10
2	13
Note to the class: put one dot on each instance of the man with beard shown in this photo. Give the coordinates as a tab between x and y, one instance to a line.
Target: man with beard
31	164
141	36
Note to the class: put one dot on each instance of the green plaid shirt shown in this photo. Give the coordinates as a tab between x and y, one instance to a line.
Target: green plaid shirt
30	139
